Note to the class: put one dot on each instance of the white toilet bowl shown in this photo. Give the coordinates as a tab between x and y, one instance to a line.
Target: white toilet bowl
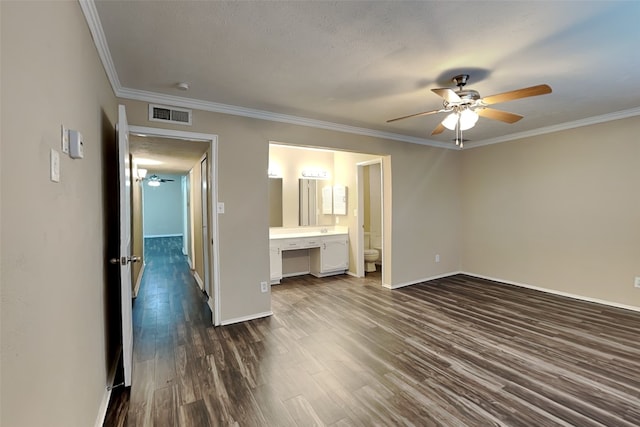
370	258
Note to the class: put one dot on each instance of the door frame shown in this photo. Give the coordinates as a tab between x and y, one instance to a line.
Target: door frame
360	217
212	180
204	213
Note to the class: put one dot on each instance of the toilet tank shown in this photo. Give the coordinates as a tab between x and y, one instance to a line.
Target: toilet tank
375	239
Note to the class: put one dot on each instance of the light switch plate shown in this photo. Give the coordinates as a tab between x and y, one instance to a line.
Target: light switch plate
220	207
55	165
637	282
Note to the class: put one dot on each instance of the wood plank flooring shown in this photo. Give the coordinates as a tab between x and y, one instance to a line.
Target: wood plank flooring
343	351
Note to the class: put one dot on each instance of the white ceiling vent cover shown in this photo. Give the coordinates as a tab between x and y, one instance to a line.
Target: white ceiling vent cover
163	113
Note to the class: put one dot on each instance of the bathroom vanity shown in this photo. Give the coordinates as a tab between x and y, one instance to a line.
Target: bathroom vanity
320	251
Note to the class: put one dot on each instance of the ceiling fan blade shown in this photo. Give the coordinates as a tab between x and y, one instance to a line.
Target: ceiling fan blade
424	113
517	94
503	116
448	94
438	130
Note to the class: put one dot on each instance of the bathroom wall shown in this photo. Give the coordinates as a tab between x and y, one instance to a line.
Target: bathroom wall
373	199
345	166
163	208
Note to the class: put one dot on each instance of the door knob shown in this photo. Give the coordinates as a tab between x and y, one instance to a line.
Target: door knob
124	260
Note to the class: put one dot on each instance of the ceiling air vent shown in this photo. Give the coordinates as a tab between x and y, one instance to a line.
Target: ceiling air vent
162	113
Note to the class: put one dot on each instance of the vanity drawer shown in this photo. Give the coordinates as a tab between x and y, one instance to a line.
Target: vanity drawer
311	242
291	244
300	243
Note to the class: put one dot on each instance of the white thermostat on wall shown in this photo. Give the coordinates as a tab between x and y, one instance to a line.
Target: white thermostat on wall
76	147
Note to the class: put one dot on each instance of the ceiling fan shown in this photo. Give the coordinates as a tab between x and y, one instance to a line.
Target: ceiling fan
154	180
466	105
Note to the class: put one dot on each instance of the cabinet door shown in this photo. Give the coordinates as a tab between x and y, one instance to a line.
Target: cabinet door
275	260
334	255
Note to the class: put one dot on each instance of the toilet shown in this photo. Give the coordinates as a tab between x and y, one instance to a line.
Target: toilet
370	255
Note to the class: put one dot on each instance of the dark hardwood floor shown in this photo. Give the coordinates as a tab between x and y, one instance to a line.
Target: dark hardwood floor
343	351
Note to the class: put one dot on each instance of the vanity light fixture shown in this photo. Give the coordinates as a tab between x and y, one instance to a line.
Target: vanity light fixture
274	173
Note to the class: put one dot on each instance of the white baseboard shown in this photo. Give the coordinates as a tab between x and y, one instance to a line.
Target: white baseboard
152	236
136	288
198	279
190	263
415	282
246	318
106	397
553	291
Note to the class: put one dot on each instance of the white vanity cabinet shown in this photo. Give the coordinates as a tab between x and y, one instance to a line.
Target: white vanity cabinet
275	262
332	257
321	254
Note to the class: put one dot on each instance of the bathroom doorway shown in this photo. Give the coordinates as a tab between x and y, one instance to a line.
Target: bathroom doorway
370	219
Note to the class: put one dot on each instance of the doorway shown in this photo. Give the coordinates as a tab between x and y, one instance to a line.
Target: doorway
189	159
370	216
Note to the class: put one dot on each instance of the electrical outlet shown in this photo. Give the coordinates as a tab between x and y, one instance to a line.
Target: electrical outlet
264	286
437	257
64	139
637	282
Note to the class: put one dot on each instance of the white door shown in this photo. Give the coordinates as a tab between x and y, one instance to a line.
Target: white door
124	259
205	225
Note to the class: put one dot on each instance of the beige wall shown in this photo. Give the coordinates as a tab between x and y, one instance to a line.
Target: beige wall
557	211
54	353
196	194
423	221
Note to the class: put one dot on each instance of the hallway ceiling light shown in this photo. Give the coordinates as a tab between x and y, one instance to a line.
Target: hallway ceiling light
142	173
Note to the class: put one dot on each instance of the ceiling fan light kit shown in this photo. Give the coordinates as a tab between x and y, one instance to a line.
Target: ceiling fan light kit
465	106
154	180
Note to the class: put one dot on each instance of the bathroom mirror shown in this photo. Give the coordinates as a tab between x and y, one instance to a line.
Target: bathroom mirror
275	202
315	205
307	202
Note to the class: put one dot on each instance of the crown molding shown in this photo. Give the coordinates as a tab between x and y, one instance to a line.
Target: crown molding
617	115
215	107
95	26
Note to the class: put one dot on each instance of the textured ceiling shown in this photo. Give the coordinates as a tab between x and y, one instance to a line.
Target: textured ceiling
176	156
360	63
